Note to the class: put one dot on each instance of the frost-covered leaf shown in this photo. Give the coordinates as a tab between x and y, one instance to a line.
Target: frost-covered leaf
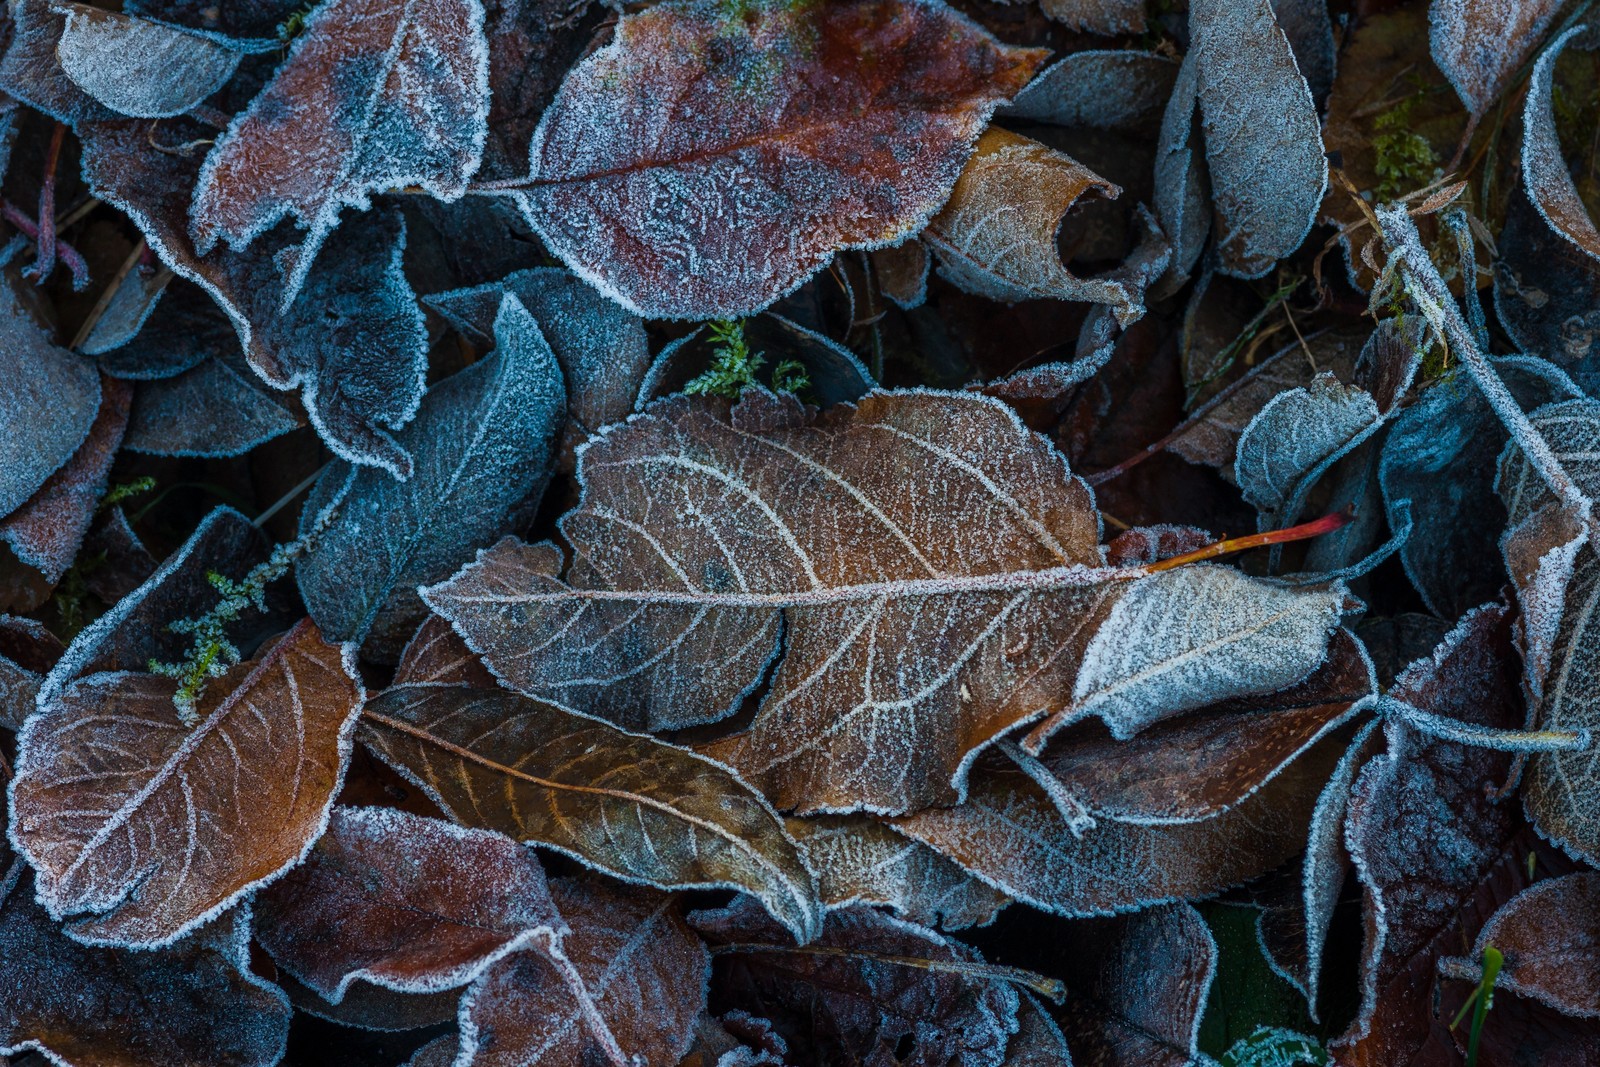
833	373
437	654
218	408
1309	28
1182	638
181	330
532	43
153	827
194	1005
1009	834
847	1006
628	805
710	159
601	347
634	980
1479	44
1197	766
375	95
46	532
1550	935
481	446
901	271
129	308
1145	982
373	1007
1038	1041
1099	90
997	234
1263	135
353	341
27	652
412	904
48	403
31	71
1424	832
1547	295
1545	177
1097	16
1181	201
141	67
860	860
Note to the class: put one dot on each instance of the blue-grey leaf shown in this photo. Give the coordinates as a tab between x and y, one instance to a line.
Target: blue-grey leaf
215	409
1547	295
47	404
835	374
179	331
483	444
1117	89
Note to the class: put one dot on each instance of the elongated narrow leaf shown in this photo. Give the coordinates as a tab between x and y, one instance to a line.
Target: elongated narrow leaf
375	94
1479	44
405	902
152	826
481	446
632	806
1545	177
632	980
756	143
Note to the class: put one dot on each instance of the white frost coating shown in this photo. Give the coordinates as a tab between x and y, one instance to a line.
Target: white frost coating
1180	197
139	67
1262	132
1479	44
1541	553
216	409
1196	635
48	401
311	144
1294	437
1099	90
1545	177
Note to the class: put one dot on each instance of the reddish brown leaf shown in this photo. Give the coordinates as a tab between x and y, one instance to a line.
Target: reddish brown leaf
408	903
706	163
633	980
1479	44
154	827
47	531
27	652
1546	179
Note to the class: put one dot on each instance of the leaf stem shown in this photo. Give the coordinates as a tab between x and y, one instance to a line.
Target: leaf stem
1052	988
1469	733
1316	528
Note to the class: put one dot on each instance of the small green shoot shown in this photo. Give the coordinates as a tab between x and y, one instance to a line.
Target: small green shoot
126	491
294	25
1404	158
1481	1000
734	366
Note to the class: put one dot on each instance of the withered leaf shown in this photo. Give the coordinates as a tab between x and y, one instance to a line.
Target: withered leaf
901	271
481	446
1103	90
996	236
373	1007
153	827
1263	135
629	805
1180	198
1479	44
404	902
1309	28
194	1005
1097	16
353	341
860	860
1038	1042
1550	936
27	652
703	526
178	331
632	979
1547	294
1545	177
705	164
375	94
46	532
144	68
1009	834
218	408
845	1003
48	403
31	71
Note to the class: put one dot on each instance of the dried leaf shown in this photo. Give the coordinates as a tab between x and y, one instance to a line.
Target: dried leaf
1038	1041
631	806
353	340
154	827
833	373
31	71
27	652
1479	44
1309	28
179	331
1097	16
996	236
409	107
194	1005
1545	177
601	347
845	1003
481	446
1547	294
753	147
219	408
372	1007
141	67
46	532
860	860
404	902
1551	941
901	272
531	45
1181	201
48	404
1099	90
635	969
1262	133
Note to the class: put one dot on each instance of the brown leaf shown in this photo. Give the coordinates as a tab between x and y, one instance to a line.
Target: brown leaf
1038	1041
437	654
860	860
375	95
1550	935
193	1005
1479	44
633	978
628	805
901	272
751	147
27	652
531	45
409	903
996	236
372	1007
155	827
1546	179
46	532
855	994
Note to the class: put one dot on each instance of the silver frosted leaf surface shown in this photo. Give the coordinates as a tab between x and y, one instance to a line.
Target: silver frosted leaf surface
48	401
140	67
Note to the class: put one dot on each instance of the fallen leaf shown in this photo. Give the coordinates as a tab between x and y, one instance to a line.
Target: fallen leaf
1479	44
1545	177
152	827
372	1007
31	71
752	148
219	408
235	18
481	447
1038	1041
531	45
1546	294
404	902
1551	941
901	271
1309	28
637	975
409	107
1181	201
1103	90
27	652
1097	16
834	375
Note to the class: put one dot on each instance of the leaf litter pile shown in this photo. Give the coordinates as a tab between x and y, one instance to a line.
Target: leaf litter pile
772	533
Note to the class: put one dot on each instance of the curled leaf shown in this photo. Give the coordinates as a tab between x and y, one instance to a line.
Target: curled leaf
1479	44
1545	176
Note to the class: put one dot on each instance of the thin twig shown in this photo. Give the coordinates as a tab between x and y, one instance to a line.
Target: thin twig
45	264
71	257
1053	988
